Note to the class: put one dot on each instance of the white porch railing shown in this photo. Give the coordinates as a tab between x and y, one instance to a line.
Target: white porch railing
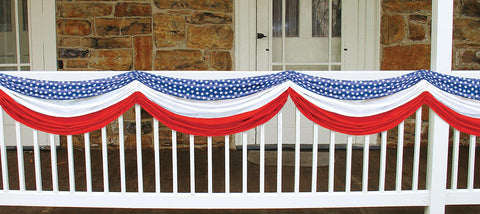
365	195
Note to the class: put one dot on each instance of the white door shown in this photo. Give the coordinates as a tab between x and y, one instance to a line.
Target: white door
19	51
314	35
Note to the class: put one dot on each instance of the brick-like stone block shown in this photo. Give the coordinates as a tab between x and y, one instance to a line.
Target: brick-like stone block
407	5
210	18
408	57
78	141
96	133
123	26
181	12
89	0
168	30
165	135
112	128
392	29
136	26
133	9
221	60
210	37
143	53
179	60
467	45
73	27
108	26
470	8
106	42
131	142
468	57
201	142
68	41
418	18
416	32
145	115
130	127
83	10
147	127
76	64
129	114
466	30
112	141
409	132
209	5
68	53
467	67
118	60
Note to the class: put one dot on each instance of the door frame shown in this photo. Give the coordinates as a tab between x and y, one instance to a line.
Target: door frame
362	44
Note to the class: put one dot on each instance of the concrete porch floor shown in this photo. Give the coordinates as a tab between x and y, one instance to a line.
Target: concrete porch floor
218	175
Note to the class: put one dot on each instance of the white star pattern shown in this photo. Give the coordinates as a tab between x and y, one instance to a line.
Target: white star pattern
239	87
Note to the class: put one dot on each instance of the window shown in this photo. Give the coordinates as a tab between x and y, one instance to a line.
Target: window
291	18
14	36
320	18
5	16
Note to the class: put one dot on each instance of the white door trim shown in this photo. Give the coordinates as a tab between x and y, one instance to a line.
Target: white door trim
245	35
361	39
42	28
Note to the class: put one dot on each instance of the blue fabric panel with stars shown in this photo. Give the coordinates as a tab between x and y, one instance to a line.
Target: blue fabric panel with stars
234	88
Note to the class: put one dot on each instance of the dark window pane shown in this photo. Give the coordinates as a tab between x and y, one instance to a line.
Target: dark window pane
8	68
5	16
291	18
320	16
25	15
23	28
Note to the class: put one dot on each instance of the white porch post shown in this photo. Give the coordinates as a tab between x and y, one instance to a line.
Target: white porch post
441	61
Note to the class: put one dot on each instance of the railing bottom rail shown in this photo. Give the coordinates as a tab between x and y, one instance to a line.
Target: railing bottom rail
215	200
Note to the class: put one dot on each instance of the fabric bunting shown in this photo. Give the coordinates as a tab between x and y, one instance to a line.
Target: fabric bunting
214	107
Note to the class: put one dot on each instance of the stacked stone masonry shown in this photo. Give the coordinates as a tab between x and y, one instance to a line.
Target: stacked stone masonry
145	35
406	32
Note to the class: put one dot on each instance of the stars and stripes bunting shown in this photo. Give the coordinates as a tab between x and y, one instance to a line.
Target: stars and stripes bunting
212	107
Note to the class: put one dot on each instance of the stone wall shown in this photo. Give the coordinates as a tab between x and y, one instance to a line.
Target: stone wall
143	35
405	34
466	35
405	42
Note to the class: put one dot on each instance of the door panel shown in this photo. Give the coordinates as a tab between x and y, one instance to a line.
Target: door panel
321	35
309	38
307	50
